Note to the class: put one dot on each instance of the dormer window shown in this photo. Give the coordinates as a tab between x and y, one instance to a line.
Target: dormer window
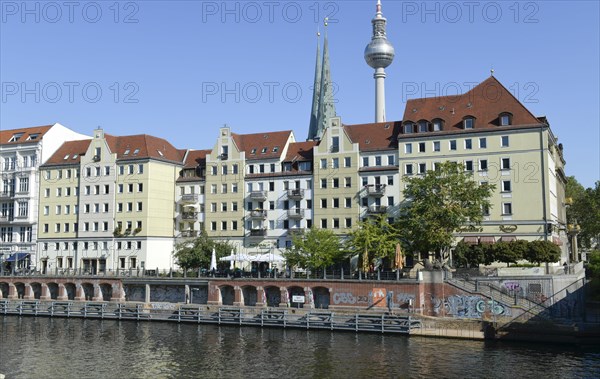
423	126
126	152
469	122
438	125
276	149
16	137
408	128
32	137
264	150
253	151
505	119
136	151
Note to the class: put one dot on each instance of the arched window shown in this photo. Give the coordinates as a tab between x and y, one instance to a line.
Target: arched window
438	125
408	128
423	126
505	119
469	122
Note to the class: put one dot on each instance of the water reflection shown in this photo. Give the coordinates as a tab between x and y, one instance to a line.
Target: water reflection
74	348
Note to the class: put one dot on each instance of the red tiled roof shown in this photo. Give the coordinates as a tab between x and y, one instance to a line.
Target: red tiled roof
485	102
300	151
262	141
72	150
150	147
375	136
196	158
6	135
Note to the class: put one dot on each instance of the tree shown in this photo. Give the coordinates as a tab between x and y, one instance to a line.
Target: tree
317	248
375	238
584	211
508	252
542	252
197	253
438	204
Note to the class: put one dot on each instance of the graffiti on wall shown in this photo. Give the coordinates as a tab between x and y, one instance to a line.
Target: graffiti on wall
347	298
467	306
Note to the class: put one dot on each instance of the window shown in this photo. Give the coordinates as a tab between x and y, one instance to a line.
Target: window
223	225
323	203
365	161
323	183
140	168
336	202
390	180
106	189
408	148
271	186
378	160
234	187
437	125
97	170
507	208
408	169
422	168
348	222
348	202
140	187
324	223
58	192
365	180
213	188
469	123
421	147
506	187
390	201
453	145
423	126
483	165
24	185
106	170
482	143
468	144
234	206
335	144
347	161
224	188
336	223
504	141
436	146
335	163
139	206
120	188
505	119
505	163
234	225
224	169
347	182
391	160
46	210
335	183
119	207
234	169
121	170
468	165
408	128
324	163
224	206
130	169
47	192
213	207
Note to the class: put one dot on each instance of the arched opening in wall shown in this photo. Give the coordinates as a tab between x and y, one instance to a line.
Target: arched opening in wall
321	297
20	287
227	295
199	295
296	291
3	290
106	291
249	293
71	290
273	295
36	289
53	290
88	290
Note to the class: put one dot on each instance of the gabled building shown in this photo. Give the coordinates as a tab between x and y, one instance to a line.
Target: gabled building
21	153
108	204
501	143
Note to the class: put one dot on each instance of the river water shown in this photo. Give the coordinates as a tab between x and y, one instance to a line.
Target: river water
77	348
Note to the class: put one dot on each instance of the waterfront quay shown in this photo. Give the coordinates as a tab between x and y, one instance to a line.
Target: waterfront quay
431	304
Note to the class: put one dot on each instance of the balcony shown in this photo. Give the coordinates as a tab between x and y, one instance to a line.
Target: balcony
5	218
375	190
296	231
295	194
295	213
258	214
258	232
377	209
224	157
258	195
189	215
191	198
189	234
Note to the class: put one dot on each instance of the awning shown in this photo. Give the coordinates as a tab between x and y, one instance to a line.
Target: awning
557	241
508	238
487	239
17	257
470	240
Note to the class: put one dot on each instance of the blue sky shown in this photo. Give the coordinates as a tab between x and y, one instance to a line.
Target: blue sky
182	69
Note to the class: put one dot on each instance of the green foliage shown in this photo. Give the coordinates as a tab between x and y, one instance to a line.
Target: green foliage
317	248
376	238
585	211
467	255
196	253
438	204
542	252
593	265
508	252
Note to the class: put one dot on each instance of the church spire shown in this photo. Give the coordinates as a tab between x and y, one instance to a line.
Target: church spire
314	113
326	101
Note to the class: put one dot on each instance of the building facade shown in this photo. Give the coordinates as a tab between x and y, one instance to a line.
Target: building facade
21	153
